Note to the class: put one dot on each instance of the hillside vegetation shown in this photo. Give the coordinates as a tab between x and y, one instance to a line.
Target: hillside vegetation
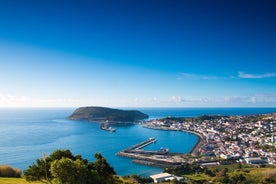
235	173
194	174
16	181
62	166
8	171
107	114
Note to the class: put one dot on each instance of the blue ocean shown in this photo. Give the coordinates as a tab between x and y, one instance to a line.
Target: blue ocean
26	133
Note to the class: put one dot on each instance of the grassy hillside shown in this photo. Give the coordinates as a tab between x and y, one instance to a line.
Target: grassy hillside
249	175
118	180
16	181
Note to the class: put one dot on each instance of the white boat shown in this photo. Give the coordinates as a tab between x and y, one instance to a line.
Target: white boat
105	126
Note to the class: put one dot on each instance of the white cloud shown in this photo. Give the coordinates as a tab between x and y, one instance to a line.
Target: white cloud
7	100
263	98
176	99
188	100
184	75
136	100
244	75
257	100
226	101
12	99
256	76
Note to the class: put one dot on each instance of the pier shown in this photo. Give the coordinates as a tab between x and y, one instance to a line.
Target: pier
142	144
161	158
138	148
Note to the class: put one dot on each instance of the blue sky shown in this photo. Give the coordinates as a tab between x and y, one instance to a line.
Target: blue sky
130	53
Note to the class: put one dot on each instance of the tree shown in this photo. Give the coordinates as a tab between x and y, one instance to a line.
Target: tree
102	167
67	171
59	154
40	171
64	168
37	172
238	178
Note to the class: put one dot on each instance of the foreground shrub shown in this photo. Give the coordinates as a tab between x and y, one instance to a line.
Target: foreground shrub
63	167
8	171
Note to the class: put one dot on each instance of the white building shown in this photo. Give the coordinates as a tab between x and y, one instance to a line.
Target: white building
164	177
254	160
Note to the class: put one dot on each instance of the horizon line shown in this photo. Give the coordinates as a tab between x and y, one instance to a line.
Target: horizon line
171	107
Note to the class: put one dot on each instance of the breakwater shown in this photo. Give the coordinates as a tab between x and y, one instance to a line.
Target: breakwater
142	144
137	148
161	158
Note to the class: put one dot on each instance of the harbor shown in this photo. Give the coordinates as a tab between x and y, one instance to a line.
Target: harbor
161	158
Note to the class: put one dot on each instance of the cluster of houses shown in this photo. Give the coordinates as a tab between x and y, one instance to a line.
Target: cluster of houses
251	139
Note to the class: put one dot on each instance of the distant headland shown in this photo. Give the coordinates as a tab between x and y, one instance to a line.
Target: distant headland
95	113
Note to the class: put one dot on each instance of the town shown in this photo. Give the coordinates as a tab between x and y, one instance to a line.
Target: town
249	139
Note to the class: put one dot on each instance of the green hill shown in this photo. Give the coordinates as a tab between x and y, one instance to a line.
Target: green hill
94	113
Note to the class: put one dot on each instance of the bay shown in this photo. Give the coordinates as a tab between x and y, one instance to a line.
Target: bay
26	133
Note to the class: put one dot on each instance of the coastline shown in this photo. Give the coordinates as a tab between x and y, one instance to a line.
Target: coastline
159	159
199	143
196	147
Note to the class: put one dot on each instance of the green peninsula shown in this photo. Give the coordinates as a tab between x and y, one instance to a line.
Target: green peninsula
95	113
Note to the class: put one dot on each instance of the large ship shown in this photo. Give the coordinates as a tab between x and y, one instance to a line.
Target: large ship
105	126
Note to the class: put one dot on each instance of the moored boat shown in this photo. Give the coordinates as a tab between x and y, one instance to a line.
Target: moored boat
105	126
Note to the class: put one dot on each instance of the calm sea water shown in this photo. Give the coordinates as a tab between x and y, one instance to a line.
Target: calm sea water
26	133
